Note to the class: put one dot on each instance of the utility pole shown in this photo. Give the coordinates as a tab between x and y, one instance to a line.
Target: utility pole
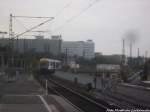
12	37
138	56
11	59
48	50
46	87
10	27
146	53
24	54
66	55
17	47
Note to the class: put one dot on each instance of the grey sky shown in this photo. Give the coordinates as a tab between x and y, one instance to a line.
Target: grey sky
105	23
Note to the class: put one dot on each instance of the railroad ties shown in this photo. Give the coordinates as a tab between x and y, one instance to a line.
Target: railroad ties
81	102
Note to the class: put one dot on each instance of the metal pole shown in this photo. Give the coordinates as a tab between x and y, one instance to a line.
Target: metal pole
130	53
146	53
10	27
138	54
123	52
95	81
46	87
10	40
66	55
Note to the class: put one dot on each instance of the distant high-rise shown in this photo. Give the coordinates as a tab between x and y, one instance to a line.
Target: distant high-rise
56	37
84	49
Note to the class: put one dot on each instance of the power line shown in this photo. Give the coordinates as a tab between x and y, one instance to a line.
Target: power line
66	6
21	24
30	17
34	27
44	31
60	11
3	32
77	15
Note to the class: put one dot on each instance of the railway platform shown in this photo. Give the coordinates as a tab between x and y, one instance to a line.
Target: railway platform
26	95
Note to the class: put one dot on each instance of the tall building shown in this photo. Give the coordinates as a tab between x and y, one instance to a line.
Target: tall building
39	45
78	48
55	46
72	48
89	49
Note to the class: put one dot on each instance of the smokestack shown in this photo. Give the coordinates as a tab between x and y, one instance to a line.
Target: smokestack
138	53
123	51
138	56
123	47
130	49
146	53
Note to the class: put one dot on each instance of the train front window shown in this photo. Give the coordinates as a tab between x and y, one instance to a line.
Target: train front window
44	64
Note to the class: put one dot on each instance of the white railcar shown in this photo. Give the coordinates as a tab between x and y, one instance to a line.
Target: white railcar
47	65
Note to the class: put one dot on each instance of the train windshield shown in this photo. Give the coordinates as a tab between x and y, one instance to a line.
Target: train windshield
44	63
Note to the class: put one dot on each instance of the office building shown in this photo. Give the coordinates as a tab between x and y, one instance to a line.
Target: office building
78	48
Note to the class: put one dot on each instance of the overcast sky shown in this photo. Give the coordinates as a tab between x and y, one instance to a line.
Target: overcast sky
106	22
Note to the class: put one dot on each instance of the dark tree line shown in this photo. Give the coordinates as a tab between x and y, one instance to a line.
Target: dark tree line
146	71
104	59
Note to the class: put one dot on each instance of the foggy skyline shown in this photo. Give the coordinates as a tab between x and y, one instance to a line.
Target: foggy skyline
106	22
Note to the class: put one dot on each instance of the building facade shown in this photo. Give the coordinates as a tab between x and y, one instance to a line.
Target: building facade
78	48
39	45
54	46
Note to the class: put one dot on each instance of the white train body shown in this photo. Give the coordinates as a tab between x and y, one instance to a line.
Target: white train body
47	65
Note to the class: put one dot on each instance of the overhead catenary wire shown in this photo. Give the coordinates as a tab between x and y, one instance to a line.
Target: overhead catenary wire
75	16
62	10
21	24
39	31
69	20
34	27
65	6
30	17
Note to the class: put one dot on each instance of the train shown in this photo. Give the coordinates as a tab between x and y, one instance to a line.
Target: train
49	66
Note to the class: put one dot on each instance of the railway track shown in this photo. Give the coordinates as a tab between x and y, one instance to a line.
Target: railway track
117	98
79	101
129	101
